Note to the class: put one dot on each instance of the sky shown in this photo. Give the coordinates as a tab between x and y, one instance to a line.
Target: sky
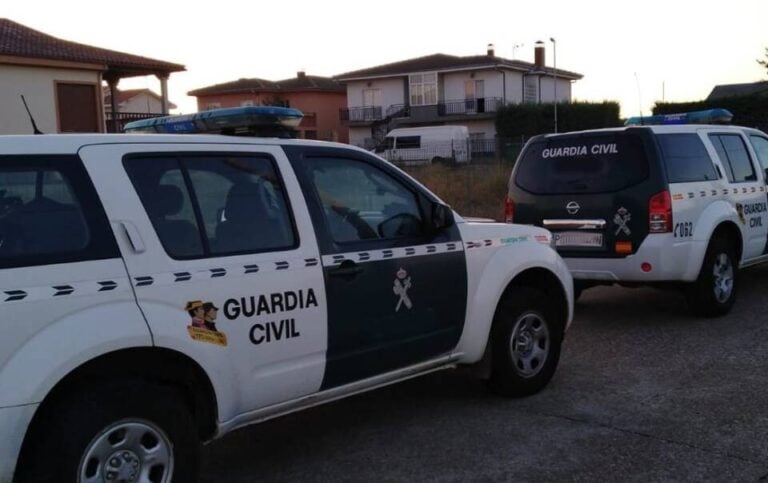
635	53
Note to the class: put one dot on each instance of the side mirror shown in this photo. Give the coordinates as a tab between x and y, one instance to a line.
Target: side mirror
442	217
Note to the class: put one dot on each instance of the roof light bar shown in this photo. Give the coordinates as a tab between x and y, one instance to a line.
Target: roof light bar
258	121
709	116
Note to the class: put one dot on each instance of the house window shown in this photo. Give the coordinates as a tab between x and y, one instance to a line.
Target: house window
246	104
531	89
213	105
423	89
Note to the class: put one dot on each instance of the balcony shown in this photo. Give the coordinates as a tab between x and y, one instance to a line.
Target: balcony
361	115
116	123
470	107
458	110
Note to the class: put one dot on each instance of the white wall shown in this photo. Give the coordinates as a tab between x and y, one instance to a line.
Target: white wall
453	84
38	87
487	127
392	91
142	103
358	134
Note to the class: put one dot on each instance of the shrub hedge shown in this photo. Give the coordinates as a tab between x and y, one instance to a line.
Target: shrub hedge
751	111
517	121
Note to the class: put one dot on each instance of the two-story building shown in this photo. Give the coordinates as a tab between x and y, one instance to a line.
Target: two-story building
445	89
319	98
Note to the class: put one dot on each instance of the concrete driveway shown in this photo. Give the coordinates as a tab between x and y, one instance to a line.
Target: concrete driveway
644	392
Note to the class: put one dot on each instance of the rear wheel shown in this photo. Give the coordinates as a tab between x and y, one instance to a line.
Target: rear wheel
129	433
525	343
714	291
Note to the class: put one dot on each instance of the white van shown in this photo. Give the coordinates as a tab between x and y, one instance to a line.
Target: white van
422	145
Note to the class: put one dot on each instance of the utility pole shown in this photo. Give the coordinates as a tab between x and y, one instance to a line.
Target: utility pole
554	72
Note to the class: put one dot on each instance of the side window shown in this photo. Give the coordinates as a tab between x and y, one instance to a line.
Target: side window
733	153
213	205
760	145
686	158
42	216
408	142
242	204
362	202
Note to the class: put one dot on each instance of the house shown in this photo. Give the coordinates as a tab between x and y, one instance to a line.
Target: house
319	98
447	89
736	90
143	101
61	81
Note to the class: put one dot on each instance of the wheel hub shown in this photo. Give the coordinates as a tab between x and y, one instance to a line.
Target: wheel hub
529	344
122	467
524	343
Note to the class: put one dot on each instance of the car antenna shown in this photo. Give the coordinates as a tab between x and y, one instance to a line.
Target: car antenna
34	126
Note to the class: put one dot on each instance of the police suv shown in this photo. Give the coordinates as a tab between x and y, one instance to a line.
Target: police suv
158	291
651	204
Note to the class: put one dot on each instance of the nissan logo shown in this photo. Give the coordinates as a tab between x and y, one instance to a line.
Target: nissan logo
572	208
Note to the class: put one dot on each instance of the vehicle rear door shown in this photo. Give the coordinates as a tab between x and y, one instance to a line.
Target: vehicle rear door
396	290
592	190
746	191
223	261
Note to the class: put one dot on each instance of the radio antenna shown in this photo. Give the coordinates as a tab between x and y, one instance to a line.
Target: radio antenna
639	99
34	126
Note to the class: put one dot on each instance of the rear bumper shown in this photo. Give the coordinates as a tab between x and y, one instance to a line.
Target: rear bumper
669	260
13	426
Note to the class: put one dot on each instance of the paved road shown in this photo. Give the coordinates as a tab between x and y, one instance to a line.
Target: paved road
643	392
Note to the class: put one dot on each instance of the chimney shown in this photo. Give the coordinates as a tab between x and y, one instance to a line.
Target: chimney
491	52
301	74
539	55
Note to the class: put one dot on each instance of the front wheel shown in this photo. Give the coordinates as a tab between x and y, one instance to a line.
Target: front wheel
714	291
129	433
525	343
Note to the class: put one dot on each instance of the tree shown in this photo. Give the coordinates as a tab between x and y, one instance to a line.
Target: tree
764	63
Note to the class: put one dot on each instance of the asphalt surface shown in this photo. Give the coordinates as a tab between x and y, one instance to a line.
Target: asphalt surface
644	392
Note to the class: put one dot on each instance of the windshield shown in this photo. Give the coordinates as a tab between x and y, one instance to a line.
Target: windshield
585	163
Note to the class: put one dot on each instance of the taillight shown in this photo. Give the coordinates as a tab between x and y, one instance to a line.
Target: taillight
660	213
509	210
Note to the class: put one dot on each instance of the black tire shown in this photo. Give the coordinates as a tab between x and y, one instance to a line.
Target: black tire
74	424
705	295
511	375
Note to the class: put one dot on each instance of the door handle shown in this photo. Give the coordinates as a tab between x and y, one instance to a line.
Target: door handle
347	268
133	236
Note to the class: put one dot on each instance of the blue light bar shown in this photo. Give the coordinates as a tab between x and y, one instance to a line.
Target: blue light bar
709	116
232	120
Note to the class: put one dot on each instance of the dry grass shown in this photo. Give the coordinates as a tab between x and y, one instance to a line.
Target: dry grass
473	190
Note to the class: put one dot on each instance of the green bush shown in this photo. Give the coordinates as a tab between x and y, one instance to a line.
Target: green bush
750	111
517	121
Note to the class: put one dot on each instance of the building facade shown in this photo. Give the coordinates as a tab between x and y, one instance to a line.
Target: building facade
61	81
319	98
445	89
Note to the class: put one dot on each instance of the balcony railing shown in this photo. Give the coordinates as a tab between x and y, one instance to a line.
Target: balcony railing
123	118
469	106
361	114
399	110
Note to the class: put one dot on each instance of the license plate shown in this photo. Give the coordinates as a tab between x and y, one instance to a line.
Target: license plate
578	239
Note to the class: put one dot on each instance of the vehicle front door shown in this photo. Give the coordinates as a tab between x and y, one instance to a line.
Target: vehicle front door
396	289
224	263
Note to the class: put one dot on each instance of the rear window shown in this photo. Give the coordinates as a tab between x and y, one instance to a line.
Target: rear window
593	163
686	158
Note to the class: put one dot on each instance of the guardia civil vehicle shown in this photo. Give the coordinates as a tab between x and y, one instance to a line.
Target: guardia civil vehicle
158	291
678	199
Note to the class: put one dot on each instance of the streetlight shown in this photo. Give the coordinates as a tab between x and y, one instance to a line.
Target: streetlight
554	51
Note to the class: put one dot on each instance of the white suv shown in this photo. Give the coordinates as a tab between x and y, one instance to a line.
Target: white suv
660	204
159	291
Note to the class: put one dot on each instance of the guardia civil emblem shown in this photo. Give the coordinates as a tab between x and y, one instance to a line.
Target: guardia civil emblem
621	218
400	288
